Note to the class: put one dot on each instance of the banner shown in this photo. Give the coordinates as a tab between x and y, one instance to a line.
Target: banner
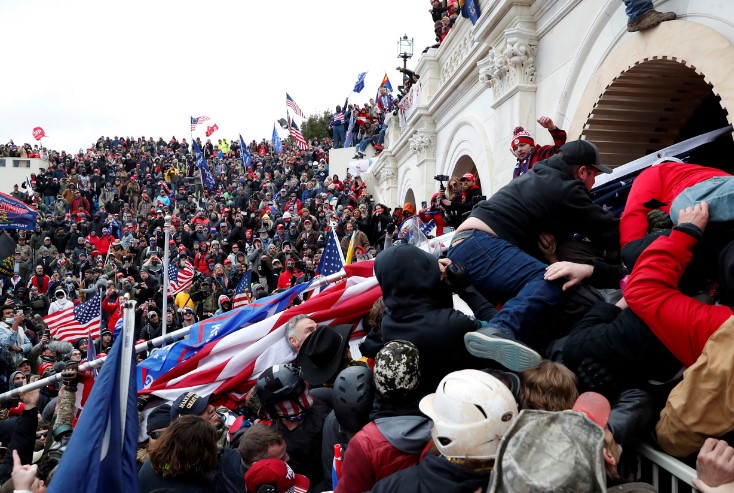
14	214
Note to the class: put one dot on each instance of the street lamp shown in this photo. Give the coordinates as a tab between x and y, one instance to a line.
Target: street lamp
405	49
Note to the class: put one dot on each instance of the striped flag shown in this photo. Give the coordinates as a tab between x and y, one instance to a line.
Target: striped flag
386	83
240	297
292	105
178	280
298	136
197	120
76	322
332	259
213	329
228	367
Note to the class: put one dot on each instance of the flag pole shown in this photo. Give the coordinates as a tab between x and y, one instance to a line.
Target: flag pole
166	280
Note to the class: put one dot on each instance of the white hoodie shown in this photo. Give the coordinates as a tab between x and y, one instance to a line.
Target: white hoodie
59	303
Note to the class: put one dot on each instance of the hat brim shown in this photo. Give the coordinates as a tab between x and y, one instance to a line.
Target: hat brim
318	375
603	168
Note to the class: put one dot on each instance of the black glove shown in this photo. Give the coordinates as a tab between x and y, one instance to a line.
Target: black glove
143	401
390	228
457	277
657	220
597	377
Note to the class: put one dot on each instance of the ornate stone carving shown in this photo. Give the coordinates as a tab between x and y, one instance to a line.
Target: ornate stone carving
423	145
386	175
460	50
509	65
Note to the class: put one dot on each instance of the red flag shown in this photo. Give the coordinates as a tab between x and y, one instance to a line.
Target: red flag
229	367
38	133
211	130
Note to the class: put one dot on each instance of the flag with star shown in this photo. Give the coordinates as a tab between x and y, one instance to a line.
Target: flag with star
240	296
180	279
332	260
206	175
74	323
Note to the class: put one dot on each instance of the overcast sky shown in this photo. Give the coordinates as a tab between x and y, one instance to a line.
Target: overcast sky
85	68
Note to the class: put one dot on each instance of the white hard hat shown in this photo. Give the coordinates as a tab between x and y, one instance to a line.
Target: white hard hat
471	411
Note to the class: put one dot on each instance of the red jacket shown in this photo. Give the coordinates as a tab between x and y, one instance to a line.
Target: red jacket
681	323
114	310
540	153
662	183
371	457
43	287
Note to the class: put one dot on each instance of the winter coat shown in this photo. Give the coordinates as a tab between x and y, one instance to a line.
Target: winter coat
434	474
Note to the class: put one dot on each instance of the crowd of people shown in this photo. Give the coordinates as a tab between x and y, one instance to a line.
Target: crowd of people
586	335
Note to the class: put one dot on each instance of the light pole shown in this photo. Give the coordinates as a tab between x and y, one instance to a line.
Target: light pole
405	49
166	260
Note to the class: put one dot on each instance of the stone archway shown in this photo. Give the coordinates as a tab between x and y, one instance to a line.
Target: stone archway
652	105
409	197
653	61
466	164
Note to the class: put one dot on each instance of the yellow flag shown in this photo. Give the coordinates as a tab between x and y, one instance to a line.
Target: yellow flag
350	250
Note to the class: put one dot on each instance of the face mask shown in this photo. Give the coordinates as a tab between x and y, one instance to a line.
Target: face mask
9	321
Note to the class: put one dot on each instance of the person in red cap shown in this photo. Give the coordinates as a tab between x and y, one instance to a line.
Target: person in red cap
276	474
462	203
528	152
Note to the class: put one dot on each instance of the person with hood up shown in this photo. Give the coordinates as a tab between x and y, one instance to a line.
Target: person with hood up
60	303
397	433
224	304
419	309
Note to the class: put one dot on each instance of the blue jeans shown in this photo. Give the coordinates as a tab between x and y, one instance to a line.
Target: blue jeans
718	192
363	145
635	8
496	265
339	135
381	137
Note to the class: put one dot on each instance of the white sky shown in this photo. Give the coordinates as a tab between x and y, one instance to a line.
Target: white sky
85	68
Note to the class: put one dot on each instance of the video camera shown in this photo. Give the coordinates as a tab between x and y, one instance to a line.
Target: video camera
441	179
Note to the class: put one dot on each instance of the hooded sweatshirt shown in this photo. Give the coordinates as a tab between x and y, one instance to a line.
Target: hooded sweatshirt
419	309
59	303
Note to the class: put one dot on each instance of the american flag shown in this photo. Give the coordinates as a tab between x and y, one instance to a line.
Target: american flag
196	121
298	136
240	297
228	367
332	260
179	280
338	117
76	322
292	105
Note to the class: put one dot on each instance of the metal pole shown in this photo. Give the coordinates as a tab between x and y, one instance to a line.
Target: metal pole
166	260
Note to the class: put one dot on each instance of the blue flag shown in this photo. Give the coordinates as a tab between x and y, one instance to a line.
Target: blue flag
359	85
277	145
100	456
331	259
245	155
213	328
14	214
470	10
206	175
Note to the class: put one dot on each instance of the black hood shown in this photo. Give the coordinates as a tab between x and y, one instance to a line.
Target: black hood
410	279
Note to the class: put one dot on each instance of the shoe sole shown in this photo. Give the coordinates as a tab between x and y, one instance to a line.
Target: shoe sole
511	354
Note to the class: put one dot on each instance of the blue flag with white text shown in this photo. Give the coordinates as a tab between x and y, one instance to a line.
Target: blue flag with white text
359	85
210	329
206	175
100	456
245	155
470	10
14	214
277	144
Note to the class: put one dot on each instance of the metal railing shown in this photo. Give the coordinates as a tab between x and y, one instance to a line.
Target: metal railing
663	471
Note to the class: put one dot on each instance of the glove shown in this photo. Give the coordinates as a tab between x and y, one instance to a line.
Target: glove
658	219
596	377
143	401
457	277
390	228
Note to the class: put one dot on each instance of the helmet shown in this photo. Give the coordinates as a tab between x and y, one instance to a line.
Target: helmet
282	391
471	411
354	392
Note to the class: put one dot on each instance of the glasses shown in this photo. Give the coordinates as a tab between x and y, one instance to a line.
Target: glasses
155	435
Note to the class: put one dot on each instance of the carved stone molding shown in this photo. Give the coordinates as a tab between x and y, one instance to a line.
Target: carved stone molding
458	54
511	64
424	145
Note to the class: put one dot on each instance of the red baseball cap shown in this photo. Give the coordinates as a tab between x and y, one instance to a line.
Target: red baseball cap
595	406
277	473
468	176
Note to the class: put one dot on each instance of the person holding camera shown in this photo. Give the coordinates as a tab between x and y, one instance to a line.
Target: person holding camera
12	333
462	203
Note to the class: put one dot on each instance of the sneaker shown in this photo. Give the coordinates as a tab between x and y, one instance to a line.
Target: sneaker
501	346
649	19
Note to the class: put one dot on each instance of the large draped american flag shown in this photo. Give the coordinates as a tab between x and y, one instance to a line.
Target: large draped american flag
180	279
77	322
229	366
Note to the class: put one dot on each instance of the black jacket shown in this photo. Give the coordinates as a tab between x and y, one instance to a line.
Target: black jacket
419	309
547	199
434	474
